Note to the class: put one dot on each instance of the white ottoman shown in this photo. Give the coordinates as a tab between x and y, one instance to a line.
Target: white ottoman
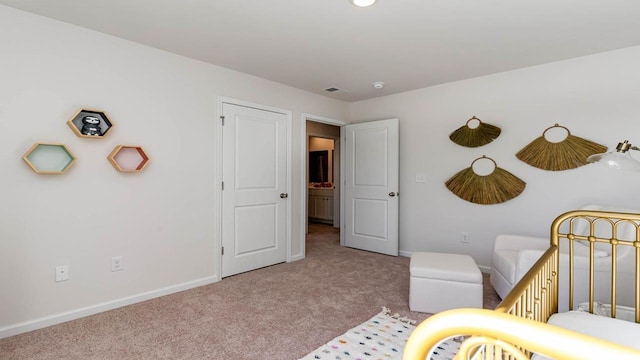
443	281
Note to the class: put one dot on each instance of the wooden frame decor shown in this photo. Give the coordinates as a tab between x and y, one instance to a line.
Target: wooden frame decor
480	135
494	188
46	158
90	124
128	158
570	153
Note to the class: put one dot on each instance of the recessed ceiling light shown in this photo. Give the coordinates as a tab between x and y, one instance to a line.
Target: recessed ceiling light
363	3
378	84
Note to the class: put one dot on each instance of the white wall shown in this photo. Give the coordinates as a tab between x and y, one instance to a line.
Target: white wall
160	220
318	143
596	97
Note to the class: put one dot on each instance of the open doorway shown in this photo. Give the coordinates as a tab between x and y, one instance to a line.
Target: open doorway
316	124
371	200
322	180
323	174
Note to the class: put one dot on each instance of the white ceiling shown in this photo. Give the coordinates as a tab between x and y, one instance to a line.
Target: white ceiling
316	44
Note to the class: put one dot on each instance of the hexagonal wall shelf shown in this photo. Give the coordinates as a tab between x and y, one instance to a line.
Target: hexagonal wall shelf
128	158
49	158
90	124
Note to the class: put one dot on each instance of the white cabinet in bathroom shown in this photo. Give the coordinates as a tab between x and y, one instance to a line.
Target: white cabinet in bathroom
320	204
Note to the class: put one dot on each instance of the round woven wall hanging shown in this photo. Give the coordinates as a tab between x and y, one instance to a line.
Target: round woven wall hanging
474	136
570	153
494	188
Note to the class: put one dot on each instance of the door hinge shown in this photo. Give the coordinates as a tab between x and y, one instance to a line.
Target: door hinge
223	250
222	185
222	118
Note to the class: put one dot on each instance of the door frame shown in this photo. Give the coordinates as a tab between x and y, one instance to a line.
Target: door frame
303	175
218	175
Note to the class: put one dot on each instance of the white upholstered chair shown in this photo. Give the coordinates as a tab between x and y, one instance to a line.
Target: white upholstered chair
514	255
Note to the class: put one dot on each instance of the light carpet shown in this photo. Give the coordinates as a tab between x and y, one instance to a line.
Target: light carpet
281	312
382	337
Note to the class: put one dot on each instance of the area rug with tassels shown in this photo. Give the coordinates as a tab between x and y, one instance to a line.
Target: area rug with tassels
381	337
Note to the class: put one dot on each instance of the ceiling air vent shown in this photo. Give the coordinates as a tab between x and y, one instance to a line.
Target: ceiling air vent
333	89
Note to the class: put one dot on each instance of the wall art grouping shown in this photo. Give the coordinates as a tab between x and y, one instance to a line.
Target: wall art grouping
57	158
500	185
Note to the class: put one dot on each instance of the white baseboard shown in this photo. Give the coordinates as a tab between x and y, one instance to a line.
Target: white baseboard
296	257
43	322
405	253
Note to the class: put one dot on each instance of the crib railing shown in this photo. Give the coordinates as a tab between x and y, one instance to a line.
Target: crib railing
535	296
609	224
493	335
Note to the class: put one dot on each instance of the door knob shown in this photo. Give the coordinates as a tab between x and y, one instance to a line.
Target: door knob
392	194
284	195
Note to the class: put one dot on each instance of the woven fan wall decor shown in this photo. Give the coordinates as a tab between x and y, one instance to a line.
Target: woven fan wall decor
474	137
570	153
494	188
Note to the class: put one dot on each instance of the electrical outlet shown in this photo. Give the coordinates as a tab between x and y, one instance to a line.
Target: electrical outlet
117	263
62	273
421	178
464	237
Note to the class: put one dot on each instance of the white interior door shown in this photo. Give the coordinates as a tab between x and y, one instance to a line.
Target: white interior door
371	186
254	199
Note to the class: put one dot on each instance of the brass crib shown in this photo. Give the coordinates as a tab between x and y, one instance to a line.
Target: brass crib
517	328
